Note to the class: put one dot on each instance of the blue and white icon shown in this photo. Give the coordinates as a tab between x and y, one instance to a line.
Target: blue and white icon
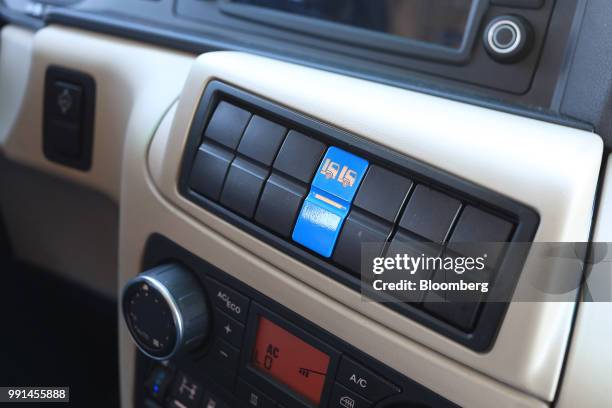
329	201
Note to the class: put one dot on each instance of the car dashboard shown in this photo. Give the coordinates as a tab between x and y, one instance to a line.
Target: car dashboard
225	171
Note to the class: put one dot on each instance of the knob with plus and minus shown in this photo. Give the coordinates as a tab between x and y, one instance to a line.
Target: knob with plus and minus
166	311
508	38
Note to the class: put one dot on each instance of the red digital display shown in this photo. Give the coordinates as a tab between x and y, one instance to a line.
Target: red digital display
290	360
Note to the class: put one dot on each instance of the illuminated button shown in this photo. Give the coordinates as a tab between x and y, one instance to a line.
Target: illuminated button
319	222
340	174
158	383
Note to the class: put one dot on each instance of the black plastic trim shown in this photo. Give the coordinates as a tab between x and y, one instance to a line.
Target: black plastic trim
525	219
362	37
194	43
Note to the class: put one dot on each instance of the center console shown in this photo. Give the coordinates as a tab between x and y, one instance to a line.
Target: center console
204	194
241	348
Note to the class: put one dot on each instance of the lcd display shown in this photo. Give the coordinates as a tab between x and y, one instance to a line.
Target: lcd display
290	360
439	22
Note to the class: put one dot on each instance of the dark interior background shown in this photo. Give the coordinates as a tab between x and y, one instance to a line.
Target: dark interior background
55	333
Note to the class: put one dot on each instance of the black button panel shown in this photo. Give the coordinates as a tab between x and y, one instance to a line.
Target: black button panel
257	172
68	117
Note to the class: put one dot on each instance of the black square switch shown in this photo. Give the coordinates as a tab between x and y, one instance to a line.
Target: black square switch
460	307
261	140
429	213
299	156
242	186
67	104
68	117
358	229
227	124
382	193
279	204
209	169
478	232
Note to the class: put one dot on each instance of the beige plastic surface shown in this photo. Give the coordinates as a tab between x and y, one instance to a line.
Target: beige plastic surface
135	85
588	378
61	219
521	158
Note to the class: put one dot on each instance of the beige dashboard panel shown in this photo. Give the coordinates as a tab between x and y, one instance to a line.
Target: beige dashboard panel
145	211
587	380
135	85
522	158
62	219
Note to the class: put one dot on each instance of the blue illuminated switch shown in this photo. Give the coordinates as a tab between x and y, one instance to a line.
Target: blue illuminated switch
329	201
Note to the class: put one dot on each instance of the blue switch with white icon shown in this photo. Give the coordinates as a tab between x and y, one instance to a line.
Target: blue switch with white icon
340	174
328	203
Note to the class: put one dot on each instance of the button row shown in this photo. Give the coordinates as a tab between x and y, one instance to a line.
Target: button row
263	171
255	167
230	317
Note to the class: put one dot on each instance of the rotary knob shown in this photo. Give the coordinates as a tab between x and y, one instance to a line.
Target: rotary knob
166	311
508	38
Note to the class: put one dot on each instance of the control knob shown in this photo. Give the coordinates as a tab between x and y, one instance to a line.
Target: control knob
508	38
166	311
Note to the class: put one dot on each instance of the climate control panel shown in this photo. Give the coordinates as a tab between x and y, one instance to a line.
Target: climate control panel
255	352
